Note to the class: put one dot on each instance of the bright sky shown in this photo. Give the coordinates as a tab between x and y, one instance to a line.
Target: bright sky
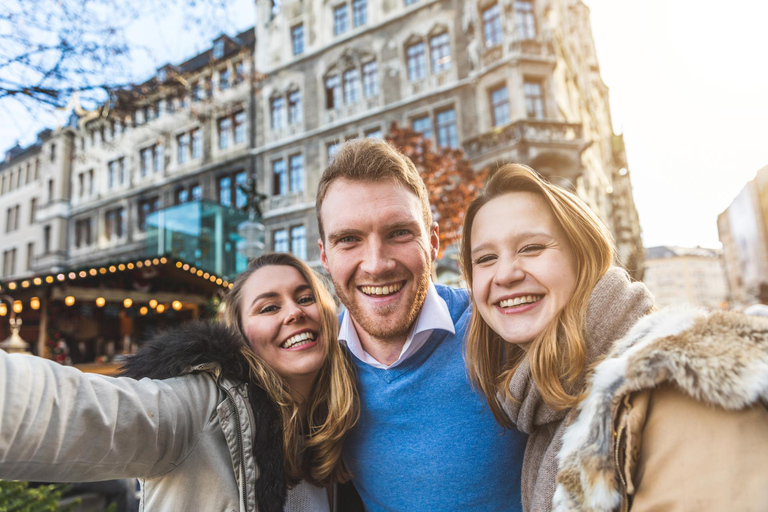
689	90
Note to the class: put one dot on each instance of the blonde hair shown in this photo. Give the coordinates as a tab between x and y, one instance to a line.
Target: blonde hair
558	354
312	441
372	160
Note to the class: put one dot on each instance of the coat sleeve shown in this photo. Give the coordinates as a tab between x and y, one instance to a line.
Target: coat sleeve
694	456
60	424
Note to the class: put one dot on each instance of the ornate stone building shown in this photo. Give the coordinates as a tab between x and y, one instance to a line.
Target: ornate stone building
681	275
507	80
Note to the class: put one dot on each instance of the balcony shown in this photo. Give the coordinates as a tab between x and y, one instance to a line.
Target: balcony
551	145
536	49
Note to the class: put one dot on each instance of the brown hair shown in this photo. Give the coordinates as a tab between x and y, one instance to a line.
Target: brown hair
312	442
372	160
557	355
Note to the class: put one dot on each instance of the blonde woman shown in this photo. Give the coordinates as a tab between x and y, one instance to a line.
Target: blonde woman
249	417
672	416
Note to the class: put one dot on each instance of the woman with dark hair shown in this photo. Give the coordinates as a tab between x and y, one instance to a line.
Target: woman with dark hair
246	416
626	408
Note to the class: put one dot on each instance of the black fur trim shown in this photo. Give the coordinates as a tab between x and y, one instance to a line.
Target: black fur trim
173	352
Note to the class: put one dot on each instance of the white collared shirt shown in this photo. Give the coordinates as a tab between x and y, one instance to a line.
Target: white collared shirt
434	314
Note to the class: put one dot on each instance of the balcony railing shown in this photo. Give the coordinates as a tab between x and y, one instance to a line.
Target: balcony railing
539	132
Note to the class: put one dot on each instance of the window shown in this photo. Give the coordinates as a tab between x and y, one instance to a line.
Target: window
197	192
184	195
275	10
224	79
239	127
197	92
225	129
279	178
12	219
294	107
146	207
447	135
374	133
113	225
299	242
331	149
225	191
196	136
500	105
181	196
239	72
297	173
417	65
370	79
332	92
440	48
525	20
152	159
297	39
359	12
280	240
83	229
30	254
410	2
423	125
115	170
218	49
340	19
229	190
182	143
9	262
492	26
278	112
32	210
50	188
53	152
46	239
351	86
534	99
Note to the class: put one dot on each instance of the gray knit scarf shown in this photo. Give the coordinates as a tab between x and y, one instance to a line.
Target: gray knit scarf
615	305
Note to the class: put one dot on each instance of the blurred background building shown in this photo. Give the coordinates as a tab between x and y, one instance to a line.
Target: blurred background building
742	228
154	180
678	275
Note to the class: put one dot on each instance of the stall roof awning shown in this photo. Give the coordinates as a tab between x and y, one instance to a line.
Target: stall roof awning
162	267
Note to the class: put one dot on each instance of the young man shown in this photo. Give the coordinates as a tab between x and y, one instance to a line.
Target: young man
424	440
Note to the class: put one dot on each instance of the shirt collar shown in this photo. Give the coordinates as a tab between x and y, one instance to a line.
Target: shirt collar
434	314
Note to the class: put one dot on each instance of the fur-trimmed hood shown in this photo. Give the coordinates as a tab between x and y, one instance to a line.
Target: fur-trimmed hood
197	346
719	358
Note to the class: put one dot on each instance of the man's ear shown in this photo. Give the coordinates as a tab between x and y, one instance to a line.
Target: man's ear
434	240
323	257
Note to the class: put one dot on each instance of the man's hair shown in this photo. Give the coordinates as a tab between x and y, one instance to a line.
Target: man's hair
372	160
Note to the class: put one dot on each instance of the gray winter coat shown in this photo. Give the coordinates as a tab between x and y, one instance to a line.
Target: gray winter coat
193	440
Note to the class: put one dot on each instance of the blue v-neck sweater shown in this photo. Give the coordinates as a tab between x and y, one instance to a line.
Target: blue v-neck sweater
425	441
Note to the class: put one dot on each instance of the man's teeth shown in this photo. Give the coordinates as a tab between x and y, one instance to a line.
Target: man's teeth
517	301
299	340
381	290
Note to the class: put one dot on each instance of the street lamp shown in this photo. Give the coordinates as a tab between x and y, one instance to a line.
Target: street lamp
14	343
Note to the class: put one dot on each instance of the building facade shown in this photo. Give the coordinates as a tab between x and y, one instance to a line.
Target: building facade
743	231
158	171
506	80
677	275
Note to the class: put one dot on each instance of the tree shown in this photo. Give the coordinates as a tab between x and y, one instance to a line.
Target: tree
451	181
20	497
51	50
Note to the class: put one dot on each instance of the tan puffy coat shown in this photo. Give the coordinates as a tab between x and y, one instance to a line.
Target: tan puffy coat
675	419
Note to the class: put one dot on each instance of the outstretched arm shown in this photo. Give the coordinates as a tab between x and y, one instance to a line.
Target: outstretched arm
60	424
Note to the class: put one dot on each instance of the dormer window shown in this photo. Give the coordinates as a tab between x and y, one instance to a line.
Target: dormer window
218	49
162	75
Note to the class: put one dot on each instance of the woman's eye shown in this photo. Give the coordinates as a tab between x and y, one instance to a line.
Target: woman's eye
268	309
532	248
484	259
307	299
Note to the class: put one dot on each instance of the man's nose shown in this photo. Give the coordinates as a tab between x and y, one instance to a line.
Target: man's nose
377	258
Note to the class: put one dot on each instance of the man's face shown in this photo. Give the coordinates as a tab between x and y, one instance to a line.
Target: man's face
378	254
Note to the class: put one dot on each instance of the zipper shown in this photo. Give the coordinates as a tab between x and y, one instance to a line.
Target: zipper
619	470
240	446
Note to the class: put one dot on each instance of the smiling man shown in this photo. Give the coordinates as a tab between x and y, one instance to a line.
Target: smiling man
424	441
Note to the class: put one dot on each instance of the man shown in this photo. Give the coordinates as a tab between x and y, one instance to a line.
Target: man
424	441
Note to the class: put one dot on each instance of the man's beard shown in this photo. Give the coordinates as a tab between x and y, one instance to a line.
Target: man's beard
372	323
